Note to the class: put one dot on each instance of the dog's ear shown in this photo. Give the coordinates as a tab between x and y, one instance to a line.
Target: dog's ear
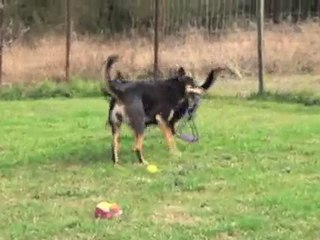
181	72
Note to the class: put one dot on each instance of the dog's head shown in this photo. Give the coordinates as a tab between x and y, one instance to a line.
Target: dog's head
192	89
190	85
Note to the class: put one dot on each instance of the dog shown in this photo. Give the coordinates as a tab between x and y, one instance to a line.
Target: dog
143	103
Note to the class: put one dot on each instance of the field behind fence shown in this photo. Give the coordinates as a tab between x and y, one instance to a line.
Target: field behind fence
195	34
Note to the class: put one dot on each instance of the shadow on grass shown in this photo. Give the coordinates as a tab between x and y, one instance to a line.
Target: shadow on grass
305	98
84	151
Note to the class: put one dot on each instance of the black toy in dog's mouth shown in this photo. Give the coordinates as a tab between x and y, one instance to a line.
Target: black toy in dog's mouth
188	121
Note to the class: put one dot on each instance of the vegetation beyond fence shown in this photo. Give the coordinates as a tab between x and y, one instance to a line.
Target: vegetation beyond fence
118	16
196	34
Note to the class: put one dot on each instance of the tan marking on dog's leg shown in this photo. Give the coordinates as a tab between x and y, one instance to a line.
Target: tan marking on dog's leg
116	141
116	145
167	134
138	148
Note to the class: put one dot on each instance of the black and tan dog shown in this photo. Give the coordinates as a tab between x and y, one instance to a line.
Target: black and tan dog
143	103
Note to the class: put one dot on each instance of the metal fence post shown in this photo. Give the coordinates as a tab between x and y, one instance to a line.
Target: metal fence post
156	39
68	40
260	20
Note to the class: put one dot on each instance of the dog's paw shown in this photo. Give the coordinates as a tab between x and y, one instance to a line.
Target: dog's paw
176	153
142	163
117	165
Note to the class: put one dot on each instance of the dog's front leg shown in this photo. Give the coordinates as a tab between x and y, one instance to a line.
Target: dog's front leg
167	132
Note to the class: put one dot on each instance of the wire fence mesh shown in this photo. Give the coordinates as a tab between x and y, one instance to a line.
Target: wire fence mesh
121	16
193	33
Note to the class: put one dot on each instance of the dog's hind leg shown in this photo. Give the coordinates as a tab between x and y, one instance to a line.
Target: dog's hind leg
167	132
116	114
115	142
137	122
138	148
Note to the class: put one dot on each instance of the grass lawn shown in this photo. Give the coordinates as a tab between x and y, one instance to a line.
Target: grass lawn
255	174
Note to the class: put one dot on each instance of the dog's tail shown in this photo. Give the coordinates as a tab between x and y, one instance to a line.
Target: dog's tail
111	87
212	77
107	88
214	73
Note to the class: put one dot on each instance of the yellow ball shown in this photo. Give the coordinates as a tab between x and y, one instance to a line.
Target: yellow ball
152	169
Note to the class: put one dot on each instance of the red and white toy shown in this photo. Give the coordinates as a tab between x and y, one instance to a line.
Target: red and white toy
105	210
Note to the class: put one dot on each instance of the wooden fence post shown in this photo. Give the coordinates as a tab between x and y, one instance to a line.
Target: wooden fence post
156	39
318	12
260	21
68	40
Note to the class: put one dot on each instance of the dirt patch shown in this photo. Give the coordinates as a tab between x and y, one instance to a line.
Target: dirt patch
171	214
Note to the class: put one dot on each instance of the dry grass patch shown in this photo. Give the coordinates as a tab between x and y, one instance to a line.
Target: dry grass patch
172	214
289	49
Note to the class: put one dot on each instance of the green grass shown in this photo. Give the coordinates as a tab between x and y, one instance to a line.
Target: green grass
305	98
255	174
49	89
302	89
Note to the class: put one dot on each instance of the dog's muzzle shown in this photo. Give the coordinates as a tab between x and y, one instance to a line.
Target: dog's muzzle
194	90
